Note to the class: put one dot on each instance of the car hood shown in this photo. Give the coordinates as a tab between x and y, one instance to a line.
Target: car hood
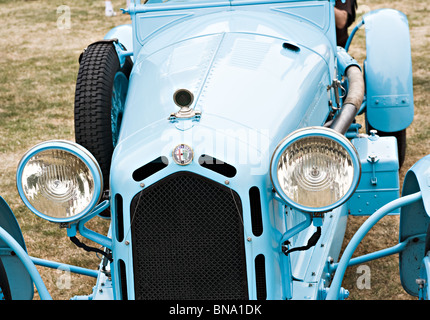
245	82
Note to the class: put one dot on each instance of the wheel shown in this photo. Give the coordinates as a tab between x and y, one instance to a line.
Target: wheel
401	141
101	89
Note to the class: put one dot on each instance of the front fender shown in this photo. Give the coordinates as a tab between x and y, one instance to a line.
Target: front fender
414	222
20	282
388	70
124	34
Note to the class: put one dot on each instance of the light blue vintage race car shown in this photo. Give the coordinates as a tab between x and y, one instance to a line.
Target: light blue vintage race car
219	138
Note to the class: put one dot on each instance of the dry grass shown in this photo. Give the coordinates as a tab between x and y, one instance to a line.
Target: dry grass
38	71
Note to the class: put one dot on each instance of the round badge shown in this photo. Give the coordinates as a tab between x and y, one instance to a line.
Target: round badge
183	154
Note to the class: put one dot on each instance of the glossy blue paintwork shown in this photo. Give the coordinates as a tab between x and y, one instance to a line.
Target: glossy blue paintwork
22	287
414	222
205	65
153	17
388	70
309	268
379	182
236	65
258	71
199	54
124	34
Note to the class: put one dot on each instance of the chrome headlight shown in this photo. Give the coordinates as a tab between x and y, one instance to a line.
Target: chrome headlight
59	181
315	169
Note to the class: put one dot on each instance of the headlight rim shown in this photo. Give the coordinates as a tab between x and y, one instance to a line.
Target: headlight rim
77	150
308	132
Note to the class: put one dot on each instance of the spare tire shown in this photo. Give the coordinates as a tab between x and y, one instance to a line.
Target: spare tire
101	89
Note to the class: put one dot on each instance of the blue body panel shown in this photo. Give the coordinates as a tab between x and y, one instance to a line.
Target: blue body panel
124	34
22	285
257	71
304	18
253	172
266	78
388	70
241	74
414	222
379	183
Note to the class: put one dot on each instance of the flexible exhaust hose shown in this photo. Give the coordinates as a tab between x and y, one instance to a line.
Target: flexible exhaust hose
352	102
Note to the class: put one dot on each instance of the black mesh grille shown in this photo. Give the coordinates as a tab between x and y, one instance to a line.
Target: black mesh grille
188	240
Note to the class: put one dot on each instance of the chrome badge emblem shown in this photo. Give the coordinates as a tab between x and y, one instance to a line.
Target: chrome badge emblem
183	154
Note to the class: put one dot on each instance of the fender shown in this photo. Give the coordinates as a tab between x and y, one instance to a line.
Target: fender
122	38
388	70
414	222
20	282
121	51
124	35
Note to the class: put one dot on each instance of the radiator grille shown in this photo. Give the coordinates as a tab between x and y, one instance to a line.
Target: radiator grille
188	240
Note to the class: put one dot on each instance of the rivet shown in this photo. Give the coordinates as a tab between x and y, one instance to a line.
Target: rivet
142	184
226	182
127	242
249	239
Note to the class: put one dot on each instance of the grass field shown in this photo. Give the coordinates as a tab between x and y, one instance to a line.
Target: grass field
38	70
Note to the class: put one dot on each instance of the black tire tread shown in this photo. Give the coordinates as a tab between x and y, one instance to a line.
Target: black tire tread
98	66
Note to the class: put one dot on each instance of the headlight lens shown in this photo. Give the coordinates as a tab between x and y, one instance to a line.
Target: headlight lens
59	181
315	169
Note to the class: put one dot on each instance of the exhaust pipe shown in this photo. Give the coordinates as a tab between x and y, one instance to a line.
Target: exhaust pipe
352	102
